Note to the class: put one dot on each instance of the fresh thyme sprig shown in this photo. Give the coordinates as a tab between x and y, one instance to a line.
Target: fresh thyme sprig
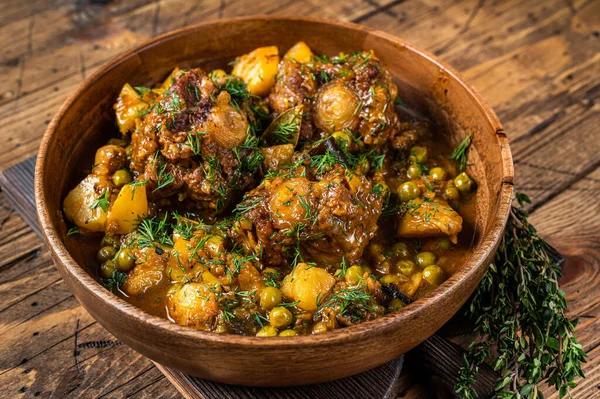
519	314
461	153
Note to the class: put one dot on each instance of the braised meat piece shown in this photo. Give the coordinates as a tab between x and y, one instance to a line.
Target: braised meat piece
322	217
295	86
351	92
195	143
426	217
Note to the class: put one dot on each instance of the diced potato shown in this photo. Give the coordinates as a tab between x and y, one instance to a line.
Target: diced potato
127	107
277	156
430	218
148	272
78	205
208	278
410	286
258	69
286	204
192	304
299	52
307	284
249	278
215	246
130	205
169	80
179	262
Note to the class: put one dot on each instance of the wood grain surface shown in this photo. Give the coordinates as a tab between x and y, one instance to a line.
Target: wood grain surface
536	62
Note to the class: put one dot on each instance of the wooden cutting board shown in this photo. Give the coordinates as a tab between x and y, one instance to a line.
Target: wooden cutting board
437	357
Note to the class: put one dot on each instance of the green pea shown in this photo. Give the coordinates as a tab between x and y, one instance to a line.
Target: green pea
270	297
110	241
408	191
396	304
129	150
444	244
122	177
106	253
319	328
463	182
270	273
413	172
434	275
382	188
438	174
342	139
364	166
280	317
288	333
451	192
401	249
406	267
267	331
388	279
354	275
107	269
418	154
425	259
125	260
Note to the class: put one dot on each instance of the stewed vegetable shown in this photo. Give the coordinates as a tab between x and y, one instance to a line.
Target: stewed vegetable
284	198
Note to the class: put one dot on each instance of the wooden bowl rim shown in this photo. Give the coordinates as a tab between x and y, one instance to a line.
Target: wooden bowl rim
381	325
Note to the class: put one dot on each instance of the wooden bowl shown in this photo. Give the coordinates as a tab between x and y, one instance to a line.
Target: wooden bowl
424	84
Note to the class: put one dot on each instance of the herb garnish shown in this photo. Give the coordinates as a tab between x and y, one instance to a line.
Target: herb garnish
194	141
116	280
163	176
519	314
355	298
237	89
460	153
73	231
153	233
285	132
322	163
102	201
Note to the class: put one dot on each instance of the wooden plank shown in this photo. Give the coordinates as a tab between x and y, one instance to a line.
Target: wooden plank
16	238
571	223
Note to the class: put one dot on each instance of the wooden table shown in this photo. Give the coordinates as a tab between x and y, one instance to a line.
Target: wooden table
536	62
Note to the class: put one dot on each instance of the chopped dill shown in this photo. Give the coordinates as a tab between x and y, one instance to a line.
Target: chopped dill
194	141
102	201
163	176
116	280
285	132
